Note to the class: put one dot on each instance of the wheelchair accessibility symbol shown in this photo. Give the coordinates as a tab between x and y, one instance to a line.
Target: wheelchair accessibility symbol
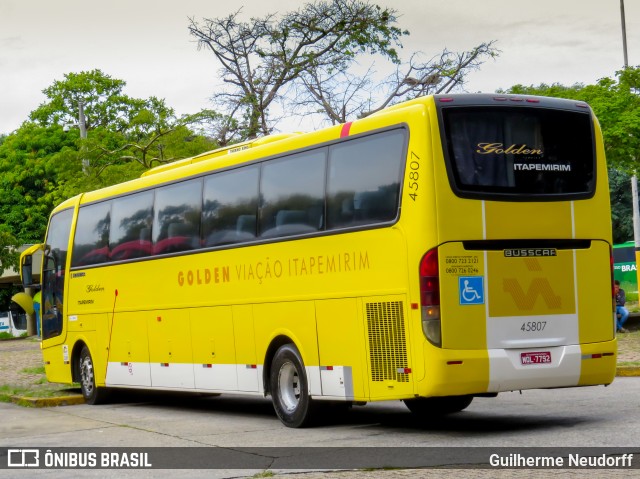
471	290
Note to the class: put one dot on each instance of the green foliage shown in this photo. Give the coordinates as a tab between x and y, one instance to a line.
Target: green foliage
120	129
621	206
8	250
104	103
41	163
7	293
29	178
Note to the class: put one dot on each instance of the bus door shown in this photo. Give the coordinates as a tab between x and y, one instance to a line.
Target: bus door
54	269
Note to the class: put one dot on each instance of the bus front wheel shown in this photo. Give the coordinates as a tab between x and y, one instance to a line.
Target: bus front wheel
289	388
92	394
436	406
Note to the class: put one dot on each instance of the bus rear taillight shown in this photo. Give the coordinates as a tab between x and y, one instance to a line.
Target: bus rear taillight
430	297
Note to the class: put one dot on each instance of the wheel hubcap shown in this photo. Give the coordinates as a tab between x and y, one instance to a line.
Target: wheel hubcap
289	386
86	375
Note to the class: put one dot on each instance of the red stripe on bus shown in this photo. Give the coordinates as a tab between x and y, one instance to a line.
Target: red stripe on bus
345	129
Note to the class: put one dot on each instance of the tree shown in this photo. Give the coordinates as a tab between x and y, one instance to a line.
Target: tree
104	103
621	211
260	58
223	129
8	250
342	95
120	129
30	179
41	162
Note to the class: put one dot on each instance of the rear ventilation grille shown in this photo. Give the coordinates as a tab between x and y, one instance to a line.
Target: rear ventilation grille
387	343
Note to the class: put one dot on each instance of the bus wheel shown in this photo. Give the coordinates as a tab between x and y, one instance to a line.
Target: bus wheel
436	406
289	388
92	394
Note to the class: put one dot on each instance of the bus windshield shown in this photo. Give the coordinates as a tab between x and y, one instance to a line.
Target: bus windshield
53	273
538	153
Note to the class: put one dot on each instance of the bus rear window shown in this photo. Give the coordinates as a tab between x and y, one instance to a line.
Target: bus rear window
526	153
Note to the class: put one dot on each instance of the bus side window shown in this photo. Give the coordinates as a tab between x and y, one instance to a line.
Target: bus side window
177	213
246	224
292	194
91	241
364	179
290	222
375	206
230	206
291	217
131	219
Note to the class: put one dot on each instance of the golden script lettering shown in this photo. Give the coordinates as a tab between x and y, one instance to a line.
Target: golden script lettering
499	149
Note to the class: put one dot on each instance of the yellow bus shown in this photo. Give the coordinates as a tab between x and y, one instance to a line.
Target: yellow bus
446	248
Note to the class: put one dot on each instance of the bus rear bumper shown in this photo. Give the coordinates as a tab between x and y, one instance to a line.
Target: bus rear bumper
559	366
599	361
460	372
546	367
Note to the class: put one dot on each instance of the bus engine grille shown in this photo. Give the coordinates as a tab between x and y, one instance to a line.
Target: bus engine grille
387	344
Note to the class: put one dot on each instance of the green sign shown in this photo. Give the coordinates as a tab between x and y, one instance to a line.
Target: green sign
624	269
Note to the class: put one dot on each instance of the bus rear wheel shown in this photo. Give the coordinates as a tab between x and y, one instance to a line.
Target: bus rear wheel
437	406
289	388
91	393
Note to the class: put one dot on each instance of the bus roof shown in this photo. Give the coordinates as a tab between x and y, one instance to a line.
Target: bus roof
220	158
225	150
242	152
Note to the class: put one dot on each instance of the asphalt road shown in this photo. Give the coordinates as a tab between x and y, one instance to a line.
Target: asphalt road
577	418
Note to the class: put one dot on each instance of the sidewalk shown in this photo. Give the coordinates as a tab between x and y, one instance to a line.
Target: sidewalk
21	369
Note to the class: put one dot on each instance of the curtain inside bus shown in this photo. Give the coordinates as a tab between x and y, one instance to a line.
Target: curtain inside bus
520	151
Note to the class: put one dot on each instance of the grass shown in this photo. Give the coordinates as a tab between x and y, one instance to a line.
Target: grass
32	382
266	473
37	370
629	344
8	391
4	335
633	306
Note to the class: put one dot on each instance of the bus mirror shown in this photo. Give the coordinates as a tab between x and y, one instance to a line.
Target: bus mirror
26	271
24	301
30	259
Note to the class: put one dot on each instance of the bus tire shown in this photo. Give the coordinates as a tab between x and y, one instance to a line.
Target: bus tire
91	393
437	406
289	388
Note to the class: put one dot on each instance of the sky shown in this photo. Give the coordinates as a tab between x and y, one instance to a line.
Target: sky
146	43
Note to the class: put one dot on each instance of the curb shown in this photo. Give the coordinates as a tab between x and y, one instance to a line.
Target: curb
627	371
71	400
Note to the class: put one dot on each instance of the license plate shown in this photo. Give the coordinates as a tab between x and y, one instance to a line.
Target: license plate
538	357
